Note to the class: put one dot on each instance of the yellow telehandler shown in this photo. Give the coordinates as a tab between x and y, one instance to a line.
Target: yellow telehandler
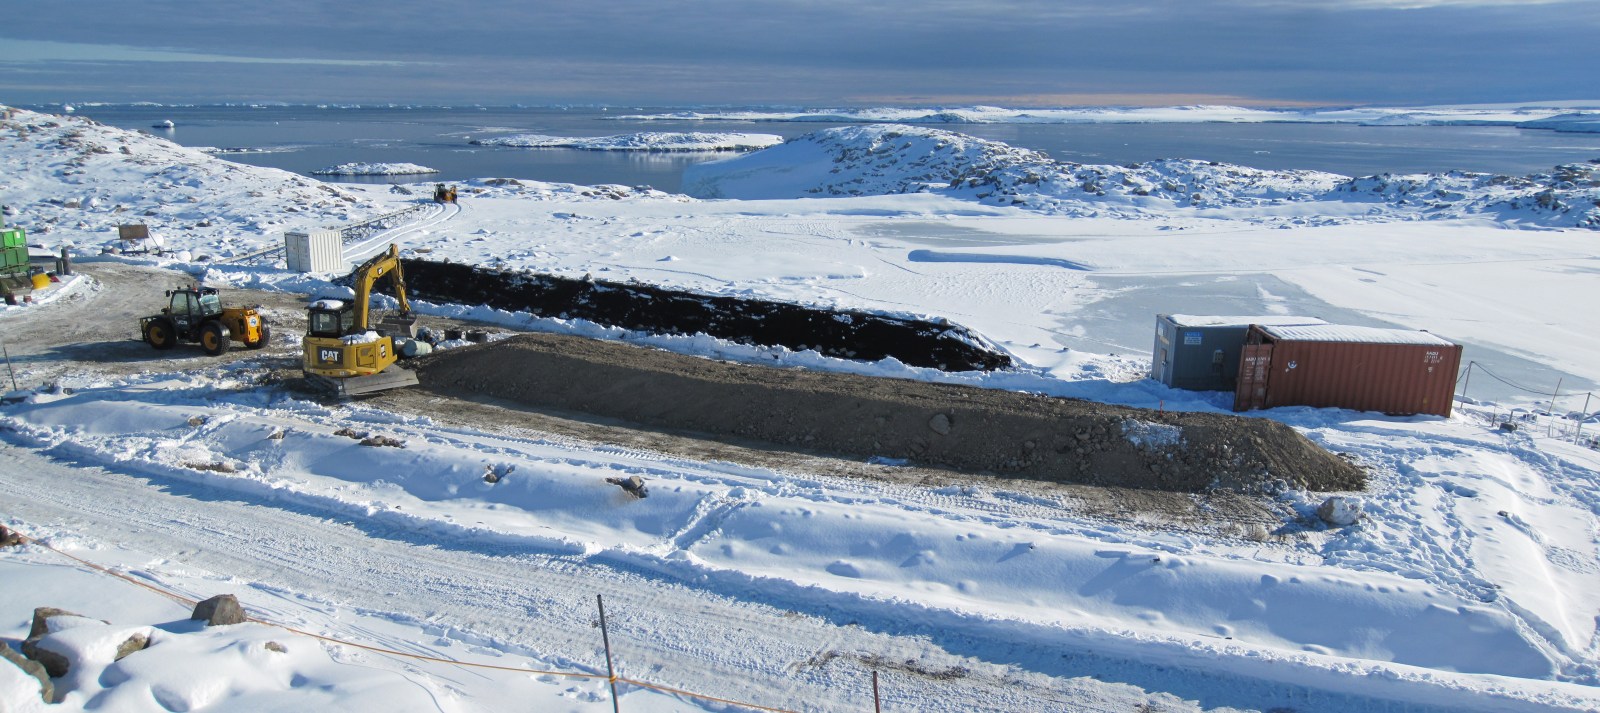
196	314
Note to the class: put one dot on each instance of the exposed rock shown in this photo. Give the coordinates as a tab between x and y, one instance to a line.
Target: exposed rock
276	647
220	610
42	617
53	663
633	485
137	642
56	650
47	688
9	537
940	424
1340	510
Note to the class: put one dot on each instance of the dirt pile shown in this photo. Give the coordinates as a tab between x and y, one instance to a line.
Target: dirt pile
961	428
845	334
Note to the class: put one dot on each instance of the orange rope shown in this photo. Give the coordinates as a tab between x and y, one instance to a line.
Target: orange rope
376	649
701	696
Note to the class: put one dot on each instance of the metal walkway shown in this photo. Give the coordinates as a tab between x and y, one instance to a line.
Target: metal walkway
358	238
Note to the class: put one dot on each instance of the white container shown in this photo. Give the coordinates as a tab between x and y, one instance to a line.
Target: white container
314	251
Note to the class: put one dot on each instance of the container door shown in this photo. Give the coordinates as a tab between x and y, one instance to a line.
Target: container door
1255	363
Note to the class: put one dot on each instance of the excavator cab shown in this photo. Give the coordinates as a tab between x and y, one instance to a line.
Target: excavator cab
330	318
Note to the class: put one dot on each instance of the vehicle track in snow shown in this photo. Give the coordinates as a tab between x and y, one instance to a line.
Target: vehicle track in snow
524	603
359	251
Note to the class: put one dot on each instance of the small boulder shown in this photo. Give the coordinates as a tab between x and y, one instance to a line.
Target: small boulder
383	442
54	664
47	688
42	617
940	424
220	610
137	642
1340	510
9	538
632	485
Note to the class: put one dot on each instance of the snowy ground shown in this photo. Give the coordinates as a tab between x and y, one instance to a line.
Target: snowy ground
1467	586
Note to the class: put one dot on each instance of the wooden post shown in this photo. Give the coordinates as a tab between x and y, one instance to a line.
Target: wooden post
8	366
1578	437
877	703
611	672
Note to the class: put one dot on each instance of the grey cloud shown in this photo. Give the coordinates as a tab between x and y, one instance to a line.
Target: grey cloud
1357	51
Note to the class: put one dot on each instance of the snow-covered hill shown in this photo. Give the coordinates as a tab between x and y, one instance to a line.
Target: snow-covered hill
74	175
887	159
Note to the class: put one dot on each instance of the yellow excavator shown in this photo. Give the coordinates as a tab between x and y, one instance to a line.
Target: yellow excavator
344	352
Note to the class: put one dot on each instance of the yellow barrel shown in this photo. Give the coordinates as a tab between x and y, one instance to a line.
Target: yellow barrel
40	280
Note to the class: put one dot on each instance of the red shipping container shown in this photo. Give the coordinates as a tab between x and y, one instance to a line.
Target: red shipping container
1396	371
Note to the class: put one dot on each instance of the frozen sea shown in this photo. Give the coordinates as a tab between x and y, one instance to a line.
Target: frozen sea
307	138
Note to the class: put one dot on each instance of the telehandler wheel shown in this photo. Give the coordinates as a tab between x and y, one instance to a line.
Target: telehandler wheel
214	338
160	333
266	336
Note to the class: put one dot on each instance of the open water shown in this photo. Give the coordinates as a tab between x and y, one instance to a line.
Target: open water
307	138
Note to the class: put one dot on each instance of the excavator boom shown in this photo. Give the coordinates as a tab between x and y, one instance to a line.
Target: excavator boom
368	274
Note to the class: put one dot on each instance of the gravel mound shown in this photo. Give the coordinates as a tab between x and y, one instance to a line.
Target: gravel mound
972	430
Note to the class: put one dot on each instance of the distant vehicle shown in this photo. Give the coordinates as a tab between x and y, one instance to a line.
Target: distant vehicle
443	193
196	314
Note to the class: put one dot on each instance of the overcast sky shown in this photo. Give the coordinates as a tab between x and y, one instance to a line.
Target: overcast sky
810	52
